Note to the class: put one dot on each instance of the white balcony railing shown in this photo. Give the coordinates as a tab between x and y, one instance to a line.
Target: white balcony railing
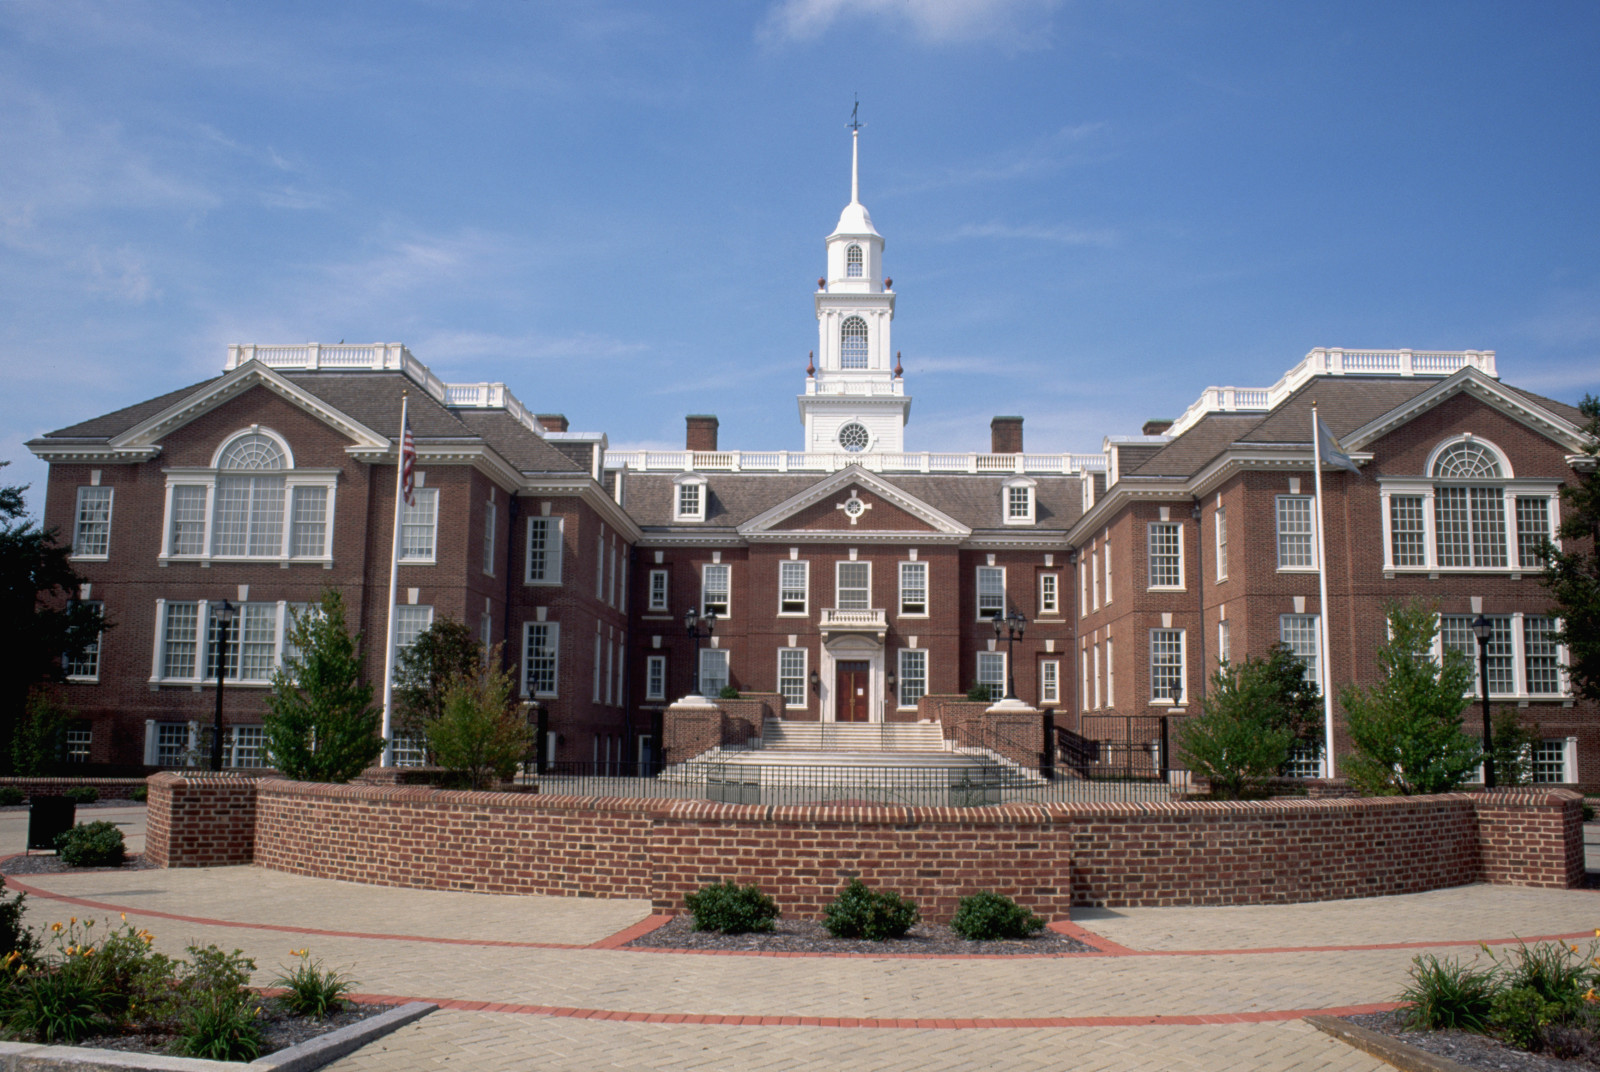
798	461
835	620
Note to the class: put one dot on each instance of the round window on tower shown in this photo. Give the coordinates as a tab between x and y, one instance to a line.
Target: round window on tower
853	437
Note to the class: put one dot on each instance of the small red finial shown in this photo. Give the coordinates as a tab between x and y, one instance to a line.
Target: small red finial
822	284
899	370
888	284
811	362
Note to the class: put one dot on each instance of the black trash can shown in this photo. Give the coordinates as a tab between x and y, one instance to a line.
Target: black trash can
49	818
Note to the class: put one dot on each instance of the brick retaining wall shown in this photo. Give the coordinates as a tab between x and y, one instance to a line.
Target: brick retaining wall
108	788
1047	857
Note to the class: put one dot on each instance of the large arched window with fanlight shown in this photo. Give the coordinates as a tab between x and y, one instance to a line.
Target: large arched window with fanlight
853	262
853	343
251	503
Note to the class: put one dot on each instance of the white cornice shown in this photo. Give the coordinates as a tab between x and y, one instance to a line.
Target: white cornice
1487	390
940	521
851	536
98	453
580	486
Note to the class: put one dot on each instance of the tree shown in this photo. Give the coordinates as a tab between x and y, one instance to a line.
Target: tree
478	733
39	739
321	725
1572	573
40	621
443	652
1512	742
1407	728
1252	715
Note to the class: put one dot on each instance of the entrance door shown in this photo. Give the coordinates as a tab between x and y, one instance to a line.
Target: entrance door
853	687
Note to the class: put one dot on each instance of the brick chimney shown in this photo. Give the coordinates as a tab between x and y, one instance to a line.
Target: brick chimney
1156	426
1005	435
701	432
552	422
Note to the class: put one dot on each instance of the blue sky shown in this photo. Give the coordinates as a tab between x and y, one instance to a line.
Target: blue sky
1093	209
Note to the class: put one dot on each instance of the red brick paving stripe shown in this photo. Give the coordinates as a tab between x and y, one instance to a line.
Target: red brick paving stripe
638	930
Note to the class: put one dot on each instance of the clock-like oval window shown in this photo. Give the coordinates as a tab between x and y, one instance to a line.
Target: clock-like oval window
854	438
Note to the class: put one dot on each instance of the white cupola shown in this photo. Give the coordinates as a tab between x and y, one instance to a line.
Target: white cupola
855	401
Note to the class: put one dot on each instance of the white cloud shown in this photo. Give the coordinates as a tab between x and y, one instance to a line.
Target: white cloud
1067	236
1040	156
443	347
1016	23
120	273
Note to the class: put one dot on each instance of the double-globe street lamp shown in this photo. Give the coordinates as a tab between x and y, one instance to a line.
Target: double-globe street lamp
699	625
1012	627
1483	629
225	615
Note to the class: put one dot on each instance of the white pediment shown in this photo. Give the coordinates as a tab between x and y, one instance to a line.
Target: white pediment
1485	389
770	523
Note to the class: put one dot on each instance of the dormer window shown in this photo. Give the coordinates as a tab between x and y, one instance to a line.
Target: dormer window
853	343
1019	502
691	499
853	262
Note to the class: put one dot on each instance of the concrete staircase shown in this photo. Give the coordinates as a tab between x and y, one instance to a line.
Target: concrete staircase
831	738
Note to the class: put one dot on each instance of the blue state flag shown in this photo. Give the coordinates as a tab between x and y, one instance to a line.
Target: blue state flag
1333	453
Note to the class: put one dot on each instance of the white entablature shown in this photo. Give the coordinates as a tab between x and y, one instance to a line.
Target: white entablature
854	401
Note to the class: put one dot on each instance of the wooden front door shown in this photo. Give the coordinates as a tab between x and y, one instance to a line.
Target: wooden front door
854	688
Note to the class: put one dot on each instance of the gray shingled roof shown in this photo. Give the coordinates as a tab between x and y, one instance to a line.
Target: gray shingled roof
118	421
734	498
528	452
1190	452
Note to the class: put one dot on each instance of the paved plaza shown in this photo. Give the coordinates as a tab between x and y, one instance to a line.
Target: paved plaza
537	982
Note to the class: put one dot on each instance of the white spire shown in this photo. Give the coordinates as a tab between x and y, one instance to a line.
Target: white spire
855	220
855	166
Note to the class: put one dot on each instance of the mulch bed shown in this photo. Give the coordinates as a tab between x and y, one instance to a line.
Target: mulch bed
809	936
1465	1047
279	1029
48	863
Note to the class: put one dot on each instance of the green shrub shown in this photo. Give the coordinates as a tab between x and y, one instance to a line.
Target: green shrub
859	912
980	694
1555	971
14	937
479	735
56	1006
82	794
11	796
731	909
310	989
220	1027
91	845
990	916
1588	812
728	693
1448	995
139	793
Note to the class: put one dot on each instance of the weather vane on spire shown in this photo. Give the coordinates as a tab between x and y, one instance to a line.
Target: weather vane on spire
855	123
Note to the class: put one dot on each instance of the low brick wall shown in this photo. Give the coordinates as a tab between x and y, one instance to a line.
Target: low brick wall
108	788
1047	857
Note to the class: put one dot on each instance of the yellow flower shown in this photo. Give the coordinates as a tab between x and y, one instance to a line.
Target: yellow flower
55	927
87	950
125	919
88	923
74	919
22	969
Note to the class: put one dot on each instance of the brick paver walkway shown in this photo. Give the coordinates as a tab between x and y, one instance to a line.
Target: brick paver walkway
528	981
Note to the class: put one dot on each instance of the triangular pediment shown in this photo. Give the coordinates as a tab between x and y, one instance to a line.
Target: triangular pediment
856	503
248	376
1486	389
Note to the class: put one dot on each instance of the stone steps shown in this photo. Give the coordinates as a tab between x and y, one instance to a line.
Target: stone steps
831	737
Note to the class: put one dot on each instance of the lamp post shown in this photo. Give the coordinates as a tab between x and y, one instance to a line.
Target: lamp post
1483	629
1012	627
225	615
699	625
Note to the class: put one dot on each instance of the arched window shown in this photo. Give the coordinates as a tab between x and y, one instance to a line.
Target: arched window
1467	461
853	343
251	451
250	504
249	509
852	262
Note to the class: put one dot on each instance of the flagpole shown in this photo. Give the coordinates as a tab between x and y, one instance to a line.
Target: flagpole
394	580
1322	598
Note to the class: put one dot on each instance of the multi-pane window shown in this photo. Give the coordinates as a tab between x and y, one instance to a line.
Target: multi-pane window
1019	503
85	666
188	520
1222	543
713	671
490	520
991	591
1094	658
855	586
544	550
1107	552
1050	681
792	676
1166	664
913	588
1550	762
408	750
180	640
714	590
655	677
992	672
691	501
1049	594
1094	580
1469	526
1540	656
1295	547
1111	675
913	681
1299	633
410	622
658	590
308	531
79	740
853	343
1224	647
91	534
1455	633
1166	554
794	582
1533	528
853	266
248	744
253	655
419	525
540	652
172	744
1407	537
1305	761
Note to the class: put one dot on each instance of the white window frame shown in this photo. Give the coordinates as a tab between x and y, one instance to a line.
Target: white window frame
1111	674
913	568
838	584
1292	627
1279	505
1106	562
978	593
1049	595
552	652
717	656
660	595
82	526
697	511
551	554
901	677
1220	528
1517	622
1049	681
991	659
1151	532
725	607
789	565
1224	642
491	514
1094	580
1183	667
1018	501
789	680
420	497
279	613
75	671
78	743
655	677
1094	656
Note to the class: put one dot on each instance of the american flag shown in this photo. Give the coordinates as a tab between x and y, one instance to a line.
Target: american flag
408	462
